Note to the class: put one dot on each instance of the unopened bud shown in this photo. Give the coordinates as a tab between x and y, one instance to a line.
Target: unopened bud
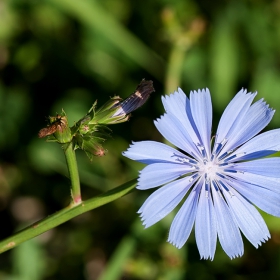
136	100
117	111
91	145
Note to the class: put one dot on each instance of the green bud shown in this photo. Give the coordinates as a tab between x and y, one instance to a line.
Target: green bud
117	110
91	145
104	115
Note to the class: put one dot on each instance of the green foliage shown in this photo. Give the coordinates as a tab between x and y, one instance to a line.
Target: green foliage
65	55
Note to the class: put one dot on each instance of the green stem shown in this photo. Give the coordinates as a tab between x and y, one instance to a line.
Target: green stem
184	42
174	69
73	173
65	215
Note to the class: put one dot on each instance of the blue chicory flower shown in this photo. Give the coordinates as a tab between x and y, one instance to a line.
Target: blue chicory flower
222	181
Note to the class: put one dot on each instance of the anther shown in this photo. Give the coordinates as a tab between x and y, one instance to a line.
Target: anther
193	177
225	154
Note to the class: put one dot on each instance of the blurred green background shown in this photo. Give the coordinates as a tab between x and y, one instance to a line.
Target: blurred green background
66	54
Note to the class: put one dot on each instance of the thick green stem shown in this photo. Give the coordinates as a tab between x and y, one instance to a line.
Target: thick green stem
73	173
65	215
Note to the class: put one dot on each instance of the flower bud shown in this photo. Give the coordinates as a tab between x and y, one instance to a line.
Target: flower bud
136	100
90	145
117	111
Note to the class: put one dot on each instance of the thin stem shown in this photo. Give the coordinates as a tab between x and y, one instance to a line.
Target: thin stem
73	173
184	41
174	69
65	215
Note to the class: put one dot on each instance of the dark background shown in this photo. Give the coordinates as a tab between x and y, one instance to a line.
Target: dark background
66	54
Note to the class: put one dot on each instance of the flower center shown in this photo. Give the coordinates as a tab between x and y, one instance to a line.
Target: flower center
208	169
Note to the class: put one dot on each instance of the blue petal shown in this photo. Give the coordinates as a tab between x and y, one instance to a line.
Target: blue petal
201	109
157	174
163	201
269	167
183	222
233	113
261	145
256	118
205	226
247	218
172	130
178	104
265	199
228	232
153	152
269	183
197	140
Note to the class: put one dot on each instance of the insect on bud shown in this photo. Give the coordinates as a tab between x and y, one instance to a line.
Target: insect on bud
58	127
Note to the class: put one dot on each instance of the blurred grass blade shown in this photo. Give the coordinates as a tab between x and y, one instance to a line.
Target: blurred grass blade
94	17
224	62
28	260
174	69
114	269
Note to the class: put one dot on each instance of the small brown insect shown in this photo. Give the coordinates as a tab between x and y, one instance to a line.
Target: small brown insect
57	123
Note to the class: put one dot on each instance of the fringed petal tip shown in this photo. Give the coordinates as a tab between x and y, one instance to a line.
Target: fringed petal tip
129	148
144	222
177	92
180	91
206	257
236	256
157	120
245	91
261	242
175	244
200	91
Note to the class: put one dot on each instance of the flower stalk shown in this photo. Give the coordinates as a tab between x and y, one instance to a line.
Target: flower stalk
73	173
65	215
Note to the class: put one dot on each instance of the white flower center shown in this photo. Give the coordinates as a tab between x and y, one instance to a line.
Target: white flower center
208	168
